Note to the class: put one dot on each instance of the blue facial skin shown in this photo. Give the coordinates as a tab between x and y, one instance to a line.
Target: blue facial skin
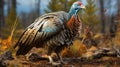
74	10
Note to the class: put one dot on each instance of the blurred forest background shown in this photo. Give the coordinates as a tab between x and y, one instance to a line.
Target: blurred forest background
101	18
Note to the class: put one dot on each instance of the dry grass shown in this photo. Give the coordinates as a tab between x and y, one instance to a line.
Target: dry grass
6	43
77	50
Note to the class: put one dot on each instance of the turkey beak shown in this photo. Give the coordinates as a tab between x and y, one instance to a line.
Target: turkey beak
82	6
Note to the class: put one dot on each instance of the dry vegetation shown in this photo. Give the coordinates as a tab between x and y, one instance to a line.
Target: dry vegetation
91	49
77	55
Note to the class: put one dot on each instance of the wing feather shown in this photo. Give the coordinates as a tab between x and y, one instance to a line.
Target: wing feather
38	32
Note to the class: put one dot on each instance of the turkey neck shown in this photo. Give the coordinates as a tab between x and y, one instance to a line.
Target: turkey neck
73	20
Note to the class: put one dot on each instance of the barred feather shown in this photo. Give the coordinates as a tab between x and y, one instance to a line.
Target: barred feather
53	30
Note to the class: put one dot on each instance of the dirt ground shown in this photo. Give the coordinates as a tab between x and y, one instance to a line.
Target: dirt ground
71	62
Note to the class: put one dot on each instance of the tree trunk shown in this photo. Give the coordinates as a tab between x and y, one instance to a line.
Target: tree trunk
13	9
65	4
38	7
2	22
14	4
118	3
8	5
102	16
113	27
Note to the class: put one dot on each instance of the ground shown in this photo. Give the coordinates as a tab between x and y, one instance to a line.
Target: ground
72	62
105	57
35	60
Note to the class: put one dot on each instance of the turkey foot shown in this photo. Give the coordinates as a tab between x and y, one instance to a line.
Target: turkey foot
52	62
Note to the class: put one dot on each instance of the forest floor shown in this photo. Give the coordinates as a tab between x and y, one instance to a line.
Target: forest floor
71	62
10	60
35	60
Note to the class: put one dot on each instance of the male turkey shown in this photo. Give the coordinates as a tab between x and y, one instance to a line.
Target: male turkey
55	30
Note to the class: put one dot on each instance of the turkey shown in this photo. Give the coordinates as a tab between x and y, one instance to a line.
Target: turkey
53	31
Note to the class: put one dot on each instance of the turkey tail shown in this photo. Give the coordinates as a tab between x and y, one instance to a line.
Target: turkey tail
23	50
18	40
26	41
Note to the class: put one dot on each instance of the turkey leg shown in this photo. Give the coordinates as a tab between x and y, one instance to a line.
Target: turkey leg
51	59
61	60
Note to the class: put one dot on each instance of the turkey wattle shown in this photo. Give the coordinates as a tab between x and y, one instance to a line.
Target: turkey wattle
55	30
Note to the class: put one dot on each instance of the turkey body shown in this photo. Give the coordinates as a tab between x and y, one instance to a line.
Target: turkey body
49	30
55	31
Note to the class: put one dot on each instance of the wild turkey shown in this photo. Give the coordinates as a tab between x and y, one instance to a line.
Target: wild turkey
55	30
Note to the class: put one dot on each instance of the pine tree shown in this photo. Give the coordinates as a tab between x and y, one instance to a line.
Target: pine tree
89	16
52	6
59	5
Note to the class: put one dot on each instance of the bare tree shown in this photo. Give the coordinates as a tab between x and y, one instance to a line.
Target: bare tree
115	20
14	3
118	3
66	1
8	5
2	22
38	7
102	16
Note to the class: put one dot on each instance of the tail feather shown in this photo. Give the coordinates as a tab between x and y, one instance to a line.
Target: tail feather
26	42
24	47
25	36
19	40
23	50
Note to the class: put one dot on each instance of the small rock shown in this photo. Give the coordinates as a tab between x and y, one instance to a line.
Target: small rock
3	63
7	56
35	57
4	57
